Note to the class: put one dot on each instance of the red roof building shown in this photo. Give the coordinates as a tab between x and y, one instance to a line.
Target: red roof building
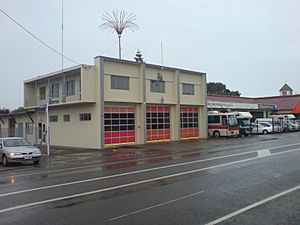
259	107
285	104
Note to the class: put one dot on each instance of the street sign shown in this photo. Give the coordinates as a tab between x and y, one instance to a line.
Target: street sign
43	106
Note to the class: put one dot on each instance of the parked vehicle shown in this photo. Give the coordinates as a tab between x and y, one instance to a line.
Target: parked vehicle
284	116
222	124
261	128
243	119
16	149
276	127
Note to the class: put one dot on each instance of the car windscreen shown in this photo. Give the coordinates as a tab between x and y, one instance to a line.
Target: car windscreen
245	122
232	121
15	142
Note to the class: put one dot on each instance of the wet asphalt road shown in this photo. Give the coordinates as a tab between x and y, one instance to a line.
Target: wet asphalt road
253	180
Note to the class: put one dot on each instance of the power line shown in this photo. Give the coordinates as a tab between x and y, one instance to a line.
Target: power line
39	40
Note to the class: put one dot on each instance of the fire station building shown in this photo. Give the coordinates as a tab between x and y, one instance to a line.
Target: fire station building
114	102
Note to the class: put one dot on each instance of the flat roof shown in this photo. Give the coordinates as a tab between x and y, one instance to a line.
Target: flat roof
55	73
148	65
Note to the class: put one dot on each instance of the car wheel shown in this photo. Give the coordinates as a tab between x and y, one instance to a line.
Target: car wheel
36	162
217	134
4	160
265	132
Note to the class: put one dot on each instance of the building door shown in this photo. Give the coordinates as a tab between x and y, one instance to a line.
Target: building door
119	125
41	131
20	130
12	128
189	118
158	123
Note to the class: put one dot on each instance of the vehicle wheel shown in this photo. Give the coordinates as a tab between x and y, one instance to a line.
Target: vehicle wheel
265	132
217	134
4	160
36	162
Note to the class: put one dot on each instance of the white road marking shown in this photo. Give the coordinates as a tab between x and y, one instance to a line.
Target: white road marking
120	175
222	219
134	183
155	206
135	160
142	171
263	153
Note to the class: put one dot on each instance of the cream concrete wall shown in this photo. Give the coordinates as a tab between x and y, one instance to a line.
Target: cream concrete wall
76	133
199	97
126	70
140	124
88	84
202	122
29	95
168	76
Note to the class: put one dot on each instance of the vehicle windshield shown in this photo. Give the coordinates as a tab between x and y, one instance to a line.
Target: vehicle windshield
232	121
15	142
245	122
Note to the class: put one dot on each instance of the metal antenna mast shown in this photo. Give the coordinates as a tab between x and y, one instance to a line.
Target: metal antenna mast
162	54
62	36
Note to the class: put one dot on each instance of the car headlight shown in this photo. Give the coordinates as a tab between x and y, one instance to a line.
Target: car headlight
14	153
37	151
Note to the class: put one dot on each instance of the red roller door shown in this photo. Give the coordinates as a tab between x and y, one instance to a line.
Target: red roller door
158	123
189	122
119	124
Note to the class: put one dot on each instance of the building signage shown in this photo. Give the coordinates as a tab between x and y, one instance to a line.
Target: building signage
267	106
230	105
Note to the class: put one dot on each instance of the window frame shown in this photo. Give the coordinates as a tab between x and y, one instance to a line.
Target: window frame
52	120
66	116
85	117
124	82
157	86
188	89
42	96
29	128
70	89
56	94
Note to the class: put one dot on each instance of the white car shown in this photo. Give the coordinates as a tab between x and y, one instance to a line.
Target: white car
16	149
261	129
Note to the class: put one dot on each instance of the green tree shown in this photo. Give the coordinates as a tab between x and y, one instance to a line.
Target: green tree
219	88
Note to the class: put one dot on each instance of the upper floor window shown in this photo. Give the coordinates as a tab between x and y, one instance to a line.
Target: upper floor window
42	93
53	118
70	87
188	89
55	90
85	117
119	82
157	86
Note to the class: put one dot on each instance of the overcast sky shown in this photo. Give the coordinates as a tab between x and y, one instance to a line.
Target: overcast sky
252	46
